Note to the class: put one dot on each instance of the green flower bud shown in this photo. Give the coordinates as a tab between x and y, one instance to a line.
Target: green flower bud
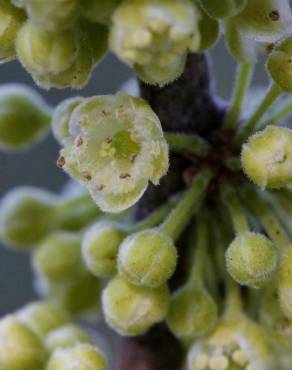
42	317
224	8
24	117
209	30
81	297
192	312
20	348
147	258
131	310
61	118
251	259
285	283
116	147
26	216
279	64
267	157
98	11
155	42
52	15
100	247
58	258
65	337
11	19
82	357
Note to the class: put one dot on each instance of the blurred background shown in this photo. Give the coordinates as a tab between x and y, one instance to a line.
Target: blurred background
38	166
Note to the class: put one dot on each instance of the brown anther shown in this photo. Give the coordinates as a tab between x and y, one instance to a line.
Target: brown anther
87	176
274	15
100	187
108	140
133	158
125	176
105	113
270	48
61	162
79	141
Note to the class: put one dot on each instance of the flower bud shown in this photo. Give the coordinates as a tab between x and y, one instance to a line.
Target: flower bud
209	31
26	216
98	11
147	258
42	317
66	336
116	147
10	21
61	118
58	258
224	8
100	247
267	157
20	348
251	259
131	310
155	42
285	283
192	312
52	15
24	117
82	357
279	64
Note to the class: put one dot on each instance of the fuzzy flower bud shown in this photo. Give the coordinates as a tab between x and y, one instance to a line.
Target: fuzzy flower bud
147	258
116	146
58	258
267	157
224	8
52	15
131	310
192	312
61	118
279	64
82	357
98	11
11	19
26	216
42	317
155	42
24	117
20	348
251	259
285	283
65	337
100	247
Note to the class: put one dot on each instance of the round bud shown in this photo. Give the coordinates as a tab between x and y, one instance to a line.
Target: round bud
285	283
279	64
267	157
42	52
24	117
52	15
224	8
251	259
42	317
58	258
26	216
98	11
209	30
147	258
61	118
155	42
82	357
81	297
131	310
192	312
116	146
20	348
100	247
65	337
10	21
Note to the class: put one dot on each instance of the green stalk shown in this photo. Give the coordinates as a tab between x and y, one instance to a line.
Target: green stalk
282	112
183	143
243	79
187	206
233	305
271	96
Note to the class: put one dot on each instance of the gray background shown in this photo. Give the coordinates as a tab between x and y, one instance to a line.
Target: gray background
37	166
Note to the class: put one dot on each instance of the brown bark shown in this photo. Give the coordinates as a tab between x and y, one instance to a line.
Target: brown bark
187	105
